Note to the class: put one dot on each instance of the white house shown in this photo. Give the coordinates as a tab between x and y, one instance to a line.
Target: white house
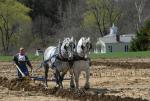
113	42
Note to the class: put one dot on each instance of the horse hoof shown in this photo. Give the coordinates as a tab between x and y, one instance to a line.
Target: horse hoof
60	85
86	87
57	86
72	86
46	86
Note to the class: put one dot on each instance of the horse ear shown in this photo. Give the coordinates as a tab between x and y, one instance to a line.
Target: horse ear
88	38
72	38
82	39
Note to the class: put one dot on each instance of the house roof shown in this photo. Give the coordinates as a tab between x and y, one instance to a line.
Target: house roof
112	38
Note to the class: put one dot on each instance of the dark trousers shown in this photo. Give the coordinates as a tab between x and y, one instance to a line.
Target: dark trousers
24	70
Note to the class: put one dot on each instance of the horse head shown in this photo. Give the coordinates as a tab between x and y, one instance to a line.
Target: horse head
84	46
67	48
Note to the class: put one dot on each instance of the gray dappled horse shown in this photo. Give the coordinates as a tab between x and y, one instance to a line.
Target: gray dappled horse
57	58
82	62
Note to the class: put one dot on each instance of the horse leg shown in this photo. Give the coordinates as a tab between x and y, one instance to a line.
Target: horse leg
57	76
72	79
46	67
76	74
61	79
87	85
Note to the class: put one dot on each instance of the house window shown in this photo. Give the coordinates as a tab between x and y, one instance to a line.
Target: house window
110	48
126	48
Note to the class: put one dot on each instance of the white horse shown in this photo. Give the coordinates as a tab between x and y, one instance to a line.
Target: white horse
57	58
82	63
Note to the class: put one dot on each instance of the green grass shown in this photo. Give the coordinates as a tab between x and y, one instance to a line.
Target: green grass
31	57
35	58
144	54
6	58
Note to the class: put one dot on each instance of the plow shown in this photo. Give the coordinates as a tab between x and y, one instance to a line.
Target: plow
36	78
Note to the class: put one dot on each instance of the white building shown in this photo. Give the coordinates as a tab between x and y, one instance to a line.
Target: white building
38	52
113	42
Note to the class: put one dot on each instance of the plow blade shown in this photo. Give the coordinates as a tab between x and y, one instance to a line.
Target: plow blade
42	79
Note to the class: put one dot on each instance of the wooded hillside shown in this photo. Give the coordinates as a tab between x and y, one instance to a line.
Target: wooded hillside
39	23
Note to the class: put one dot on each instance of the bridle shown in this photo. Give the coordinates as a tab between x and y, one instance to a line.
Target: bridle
86	46
71	45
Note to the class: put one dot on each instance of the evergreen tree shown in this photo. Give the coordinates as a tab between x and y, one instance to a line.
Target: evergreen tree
142	40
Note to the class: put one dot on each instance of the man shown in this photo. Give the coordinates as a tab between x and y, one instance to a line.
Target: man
21	60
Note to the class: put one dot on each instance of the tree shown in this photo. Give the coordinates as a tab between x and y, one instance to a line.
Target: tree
44	16
12	15
101	14
142	40
140	5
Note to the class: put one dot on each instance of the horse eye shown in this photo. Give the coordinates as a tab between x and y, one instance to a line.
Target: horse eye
90	46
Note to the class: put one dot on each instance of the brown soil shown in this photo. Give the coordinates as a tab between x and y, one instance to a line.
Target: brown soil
122	64
110	80
81	95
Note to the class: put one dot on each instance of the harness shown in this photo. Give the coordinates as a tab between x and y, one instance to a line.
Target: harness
77	58
58	56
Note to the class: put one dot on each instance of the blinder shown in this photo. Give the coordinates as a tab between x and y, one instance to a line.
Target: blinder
65	47
82	47
74	46
90	46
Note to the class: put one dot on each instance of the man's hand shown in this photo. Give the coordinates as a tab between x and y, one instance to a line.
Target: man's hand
31	70
23	75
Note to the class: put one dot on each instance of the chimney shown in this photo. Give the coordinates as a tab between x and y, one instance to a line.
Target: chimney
117	37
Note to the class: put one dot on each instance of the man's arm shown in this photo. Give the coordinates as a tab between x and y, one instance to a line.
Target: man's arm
15	60
28	62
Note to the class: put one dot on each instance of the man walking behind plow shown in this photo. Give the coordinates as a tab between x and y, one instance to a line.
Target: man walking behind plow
21	61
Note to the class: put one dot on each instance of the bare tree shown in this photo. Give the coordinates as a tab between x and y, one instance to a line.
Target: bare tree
6	34
12	14
71	19
140	7
106	13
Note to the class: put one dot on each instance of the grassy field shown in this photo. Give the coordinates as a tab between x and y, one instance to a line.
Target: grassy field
145	54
